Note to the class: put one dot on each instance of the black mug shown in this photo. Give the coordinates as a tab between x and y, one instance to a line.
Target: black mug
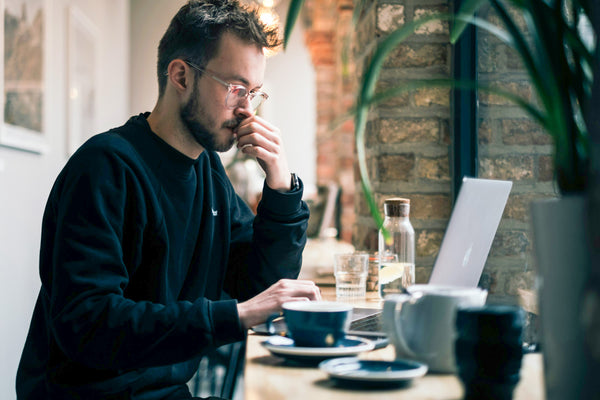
489	350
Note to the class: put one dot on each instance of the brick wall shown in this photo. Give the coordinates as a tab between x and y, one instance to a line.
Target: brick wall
329	39
408	138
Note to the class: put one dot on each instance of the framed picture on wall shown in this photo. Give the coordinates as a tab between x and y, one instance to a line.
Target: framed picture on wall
82	78
23	74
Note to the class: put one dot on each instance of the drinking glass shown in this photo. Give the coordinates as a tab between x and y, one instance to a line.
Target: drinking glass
350	270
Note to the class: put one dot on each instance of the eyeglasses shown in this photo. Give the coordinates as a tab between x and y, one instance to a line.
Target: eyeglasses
236	94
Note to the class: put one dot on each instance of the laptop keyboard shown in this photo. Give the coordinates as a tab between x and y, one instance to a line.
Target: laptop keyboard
366	320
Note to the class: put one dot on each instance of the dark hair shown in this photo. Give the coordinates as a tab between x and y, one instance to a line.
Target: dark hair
194	33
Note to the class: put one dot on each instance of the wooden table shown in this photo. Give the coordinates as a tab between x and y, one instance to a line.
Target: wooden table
268	377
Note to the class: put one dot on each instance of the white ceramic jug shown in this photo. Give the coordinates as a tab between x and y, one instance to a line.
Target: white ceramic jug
420	324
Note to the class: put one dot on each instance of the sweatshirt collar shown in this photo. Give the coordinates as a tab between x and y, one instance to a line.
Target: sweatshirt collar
178	162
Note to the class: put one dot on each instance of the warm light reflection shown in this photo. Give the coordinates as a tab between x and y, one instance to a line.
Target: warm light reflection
268	16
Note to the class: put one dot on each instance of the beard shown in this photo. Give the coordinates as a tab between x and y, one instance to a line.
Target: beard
197	123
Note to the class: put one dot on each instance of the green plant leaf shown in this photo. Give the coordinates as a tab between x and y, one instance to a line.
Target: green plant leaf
467	11
556	83
485	25
359	6
365	182
559	83
585	5
561	74
519	43
581	61
290	21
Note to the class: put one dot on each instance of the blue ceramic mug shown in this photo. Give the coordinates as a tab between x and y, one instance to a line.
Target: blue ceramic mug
316	323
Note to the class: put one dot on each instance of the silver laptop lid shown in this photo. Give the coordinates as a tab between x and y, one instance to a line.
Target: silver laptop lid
470	232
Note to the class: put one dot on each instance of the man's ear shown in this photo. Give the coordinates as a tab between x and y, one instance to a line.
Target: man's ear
178	74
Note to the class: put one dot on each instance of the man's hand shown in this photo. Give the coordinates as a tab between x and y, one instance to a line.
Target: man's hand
258	138
257	309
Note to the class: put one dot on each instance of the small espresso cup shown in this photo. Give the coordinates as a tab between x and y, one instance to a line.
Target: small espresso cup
317	323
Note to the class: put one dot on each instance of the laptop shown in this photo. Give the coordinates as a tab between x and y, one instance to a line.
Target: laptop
466	244
470	232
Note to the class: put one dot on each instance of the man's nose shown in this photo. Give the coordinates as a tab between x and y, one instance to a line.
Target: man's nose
243	108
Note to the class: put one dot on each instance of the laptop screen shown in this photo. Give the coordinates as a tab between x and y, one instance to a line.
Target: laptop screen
470	232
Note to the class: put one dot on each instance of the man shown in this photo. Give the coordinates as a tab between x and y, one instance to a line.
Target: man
143	233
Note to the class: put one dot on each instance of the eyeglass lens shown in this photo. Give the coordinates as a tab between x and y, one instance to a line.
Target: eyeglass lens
237	95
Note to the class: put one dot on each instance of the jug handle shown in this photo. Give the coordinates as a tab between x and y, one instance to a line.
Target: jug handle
392	324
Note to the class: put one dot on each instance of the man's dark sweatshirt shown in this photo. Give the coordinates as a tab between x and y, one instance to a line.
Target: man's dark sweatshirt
139	242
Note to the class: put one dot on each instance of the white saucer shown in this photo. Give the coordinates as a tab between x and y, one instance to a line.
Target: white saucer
285	347
351	369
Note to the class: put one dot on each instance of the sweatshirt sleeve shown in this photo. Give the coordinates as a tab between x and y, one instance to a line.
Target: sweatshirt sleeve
84	275
272	249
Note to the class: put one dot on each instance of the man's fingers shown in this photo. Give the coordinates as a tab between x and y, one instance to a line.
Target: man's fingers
254	131
260	121
267	141
304	282
258	308
297	299
297	282
297	288
318	295
266	123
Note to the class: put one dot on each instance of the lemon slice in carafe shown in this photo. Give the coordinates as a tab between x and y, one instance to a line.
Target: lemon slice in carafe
390	272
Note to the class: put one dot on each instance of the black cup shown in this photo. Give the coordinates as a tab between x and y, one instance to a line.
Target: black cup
489	350
491	323
317	323
487	360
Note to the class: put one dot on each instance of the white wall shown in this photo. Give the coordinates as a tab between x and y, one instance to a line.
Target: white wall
147	27
289	81
26	178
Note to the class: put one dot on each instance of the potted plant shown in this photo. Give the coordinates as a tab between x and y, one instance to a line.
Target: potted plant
558	50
